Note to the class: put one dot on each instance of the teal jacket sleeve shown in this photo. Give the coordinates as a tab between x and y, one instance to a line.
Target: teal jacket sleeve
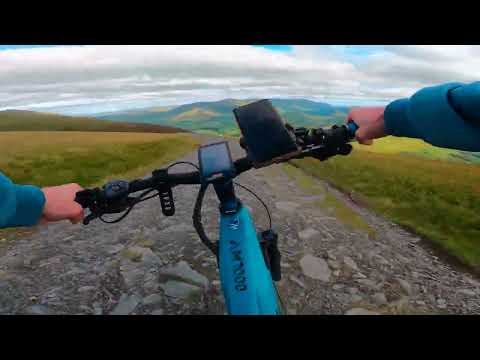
20	205
446	115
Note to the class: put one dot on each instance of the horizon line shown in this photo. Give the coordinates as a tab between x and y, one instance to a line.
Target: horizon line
334	103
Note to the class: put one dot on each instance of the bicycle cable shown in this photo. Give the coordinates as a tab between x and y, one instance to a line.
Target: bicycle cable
119	219
147	198
282	305
183	162
259	199
140	199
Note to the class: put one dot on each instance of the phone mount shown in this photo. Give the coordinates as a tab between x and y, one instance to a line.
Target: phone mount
265	135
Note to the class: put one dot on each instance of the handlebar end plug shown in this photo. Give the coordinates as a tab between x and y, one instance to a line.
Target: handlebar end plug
352	128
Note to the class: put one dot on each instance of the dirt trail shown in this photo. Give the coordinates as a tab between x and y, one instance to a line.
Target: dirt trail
150	264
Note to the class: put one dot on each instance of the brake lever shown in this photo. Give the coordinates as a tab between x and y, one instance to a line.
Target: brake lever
97	211
90	217
88	197
111	199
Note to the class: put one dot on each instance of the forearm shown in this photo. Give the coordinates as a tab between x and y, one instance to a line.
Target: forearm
445	115
20	205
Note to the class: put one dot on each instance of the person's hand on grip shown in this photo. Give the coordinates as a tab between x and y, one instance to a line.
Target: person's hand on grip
60	204
370	123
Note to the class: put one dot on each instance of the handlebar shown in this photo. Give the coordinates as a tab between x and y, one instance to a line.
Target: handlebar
114	196
161	176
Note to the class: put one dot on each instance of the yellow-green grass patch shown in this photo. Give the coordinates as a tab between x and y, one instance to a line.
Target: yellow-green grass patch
439	200
329	202
87	158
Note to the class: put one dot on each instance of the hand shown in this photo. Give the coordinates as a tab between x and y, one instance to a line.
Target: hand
370	123
60	204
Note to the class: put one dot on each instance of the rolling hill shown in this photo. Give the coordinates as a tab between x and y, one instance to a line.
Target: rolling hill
20	120
217	118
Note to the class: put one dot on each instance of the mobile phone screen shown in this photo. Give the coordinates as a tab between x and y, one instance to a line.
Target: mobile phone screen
215	161
264	132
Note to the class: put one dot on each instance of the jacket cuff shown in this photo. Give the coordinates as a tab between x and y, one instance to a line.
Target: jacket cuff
396	120
30	201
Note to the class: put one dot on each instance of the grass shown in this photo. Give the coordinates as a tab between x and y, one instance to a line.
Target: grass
439	200
195	113
329	202
37	121
9	234
87	158
419	148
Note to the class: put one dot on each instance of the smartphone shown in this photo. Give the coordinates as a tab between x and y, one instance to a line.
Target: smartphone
264	133
215	161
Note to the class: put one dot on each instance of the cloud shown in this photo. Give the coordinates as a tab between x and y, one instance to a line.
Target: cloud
87	79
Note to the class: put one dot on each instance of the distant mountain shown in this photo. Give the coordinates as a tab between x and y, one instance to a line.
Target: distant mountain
217	117
22	120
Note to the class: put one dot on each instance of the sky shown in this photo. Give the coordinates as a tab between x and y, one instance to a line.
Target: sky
90	79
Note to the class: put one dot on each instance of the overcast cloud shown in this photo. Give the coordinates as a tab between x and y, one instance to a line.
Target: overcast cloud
90	79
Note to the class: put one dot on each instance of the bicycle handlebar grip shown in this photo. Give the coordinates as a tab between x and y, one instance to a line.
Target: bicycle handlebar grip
79	199
84	198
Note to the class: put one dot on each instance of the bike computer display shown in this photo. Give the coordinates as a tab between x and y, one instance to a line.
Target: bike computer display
265	134
215	162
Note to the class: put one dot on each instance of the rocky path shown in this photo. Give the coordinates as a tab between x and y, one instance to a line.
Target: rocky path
150	264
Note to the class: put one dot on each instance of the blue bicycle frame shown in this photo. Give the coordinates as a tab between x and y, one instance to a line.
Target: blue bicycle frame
246	281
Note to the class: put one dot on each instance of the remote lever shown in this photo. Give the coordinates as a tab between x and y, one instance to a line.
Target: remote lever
352	128
165	193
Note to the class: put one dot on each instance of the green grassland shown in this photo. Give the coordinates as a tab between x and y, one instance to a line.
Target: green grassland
414	147
301	119
46	149
36	121
88	158
329	202
429	194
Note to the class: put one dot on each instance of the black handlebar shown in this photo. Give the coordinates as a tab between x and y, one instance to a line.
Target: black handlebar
114	196
114	191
